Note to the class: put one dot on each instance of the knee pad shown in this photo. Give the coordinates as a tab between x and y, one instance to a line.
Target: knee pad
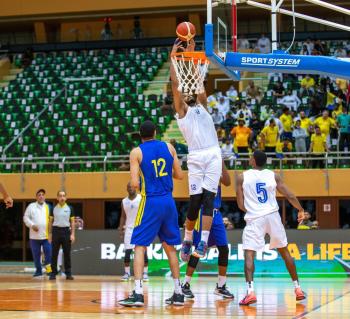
223	256
194	207
208	202
127	256
146	257
193	262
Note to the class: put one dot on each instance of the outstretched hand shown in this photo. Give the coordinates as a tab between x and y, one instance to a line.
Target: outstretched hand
177	46
301	215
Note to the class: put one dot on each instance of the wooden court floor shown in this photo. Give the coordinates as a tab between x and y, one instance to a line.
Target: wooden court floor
95	297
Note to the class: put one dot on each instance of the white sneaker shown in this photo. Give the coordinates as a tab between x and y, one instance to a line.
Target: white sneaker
145	276
126	277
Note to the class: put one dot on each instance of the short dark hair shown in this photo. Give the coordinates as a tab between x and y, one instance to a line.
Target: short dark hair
62	191
260	158
147	129
41	190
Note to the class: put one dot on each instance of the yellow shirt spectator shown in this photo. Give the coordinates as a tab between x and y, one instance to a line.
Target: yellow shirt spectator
305	123
281	145
287	122
307	82
318	143
325	124
241	135
271	135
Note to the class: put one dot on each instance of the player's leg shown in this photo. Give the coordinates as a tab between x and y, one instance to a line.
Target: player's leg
127	259
278	240
186	286
221	289
145	268
249	269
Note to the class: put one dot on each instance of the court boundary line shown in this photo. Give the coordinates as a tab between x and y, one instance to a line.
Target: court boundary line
320	306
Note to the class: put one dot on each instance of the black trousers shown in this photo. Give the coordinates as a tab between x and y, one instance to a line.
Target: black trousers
61	237
344	140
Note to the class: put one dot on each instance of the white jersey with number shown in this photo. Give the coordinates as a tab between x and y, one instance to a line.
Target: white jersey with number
131	207
259	189
197	127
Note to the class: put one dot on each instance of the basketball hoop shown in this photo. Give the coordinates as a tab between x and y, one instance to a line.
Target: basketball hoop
191	69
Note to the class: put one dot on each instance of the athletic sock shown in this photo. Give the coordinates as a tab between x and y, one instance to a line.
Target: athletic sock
221	281
188	235
250	286
296	283
138	286
187	279
127	270
205	235
177	286
145	269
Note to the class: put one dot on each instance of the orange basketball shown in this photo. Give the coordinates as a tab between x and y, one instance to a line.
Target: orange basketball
185	31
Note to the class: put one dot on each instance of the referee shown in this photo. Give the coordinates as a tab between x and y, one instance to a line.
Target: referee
62	230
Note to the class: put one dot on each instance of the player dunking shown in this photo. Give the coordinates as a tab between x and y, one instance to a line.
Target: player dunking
130	206
217	238
203	161
156	163
256	196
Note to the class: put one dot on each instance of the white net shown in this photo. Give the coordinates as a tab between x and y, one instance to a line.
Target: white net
190	73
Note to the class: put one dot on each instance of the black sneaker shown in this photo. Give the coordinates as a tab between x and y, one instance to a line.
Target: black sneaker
52	277
38	275
186	290
134	300
69	277
176	300
223	292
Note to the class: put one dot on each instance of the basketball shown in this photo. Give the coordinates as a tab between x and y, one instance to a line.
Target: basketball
185	31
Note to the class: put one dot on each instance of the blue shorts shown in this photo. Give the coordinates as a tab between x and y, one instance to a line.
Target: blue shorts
157	215
217	235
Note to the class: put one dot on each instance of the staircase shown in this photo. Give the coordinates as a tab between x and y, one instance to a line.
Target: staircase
159	84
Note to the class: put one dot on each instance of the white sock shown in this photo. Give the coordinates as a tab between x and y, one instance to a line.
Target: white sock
127	270
177	286
187	279
250	286
221	281
296	284
138	286
188	235
205	235
145	269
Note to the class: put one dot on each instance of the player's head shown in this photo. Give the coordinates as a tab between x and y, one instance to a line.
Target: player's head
131	191
147	130
258	159
61	197
190	100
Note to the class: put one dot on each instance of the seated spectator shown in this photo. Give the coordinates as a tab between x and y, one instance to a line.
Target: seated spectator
307	223
275	77
265	113
291	100
226	148
278	92
255	125
276	119
227	223
181	149
79	223
232	93
223	105
213	99
300	136
242	136
304	50
309	45
217	117
244	112
319	47
254	92
221	133
318	147
284	147
325	123
228	123
243	43
263	44
287	124
340	52
269	137
307	85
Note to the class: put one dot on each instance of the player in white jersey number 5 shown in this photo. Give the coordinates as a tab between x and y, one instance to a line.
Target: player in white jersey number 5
204	158
256	196
130	206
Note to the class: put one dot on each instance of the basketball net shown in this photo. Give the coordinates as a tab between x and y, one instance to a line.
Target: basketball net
191	69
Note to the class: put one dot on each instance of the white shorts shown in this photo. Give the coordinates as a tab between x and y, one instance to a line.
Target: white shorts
127	238
254	233
204	170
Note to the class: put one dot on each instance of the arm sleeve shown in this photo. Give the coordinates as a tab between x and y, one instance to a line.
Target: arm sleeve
27	219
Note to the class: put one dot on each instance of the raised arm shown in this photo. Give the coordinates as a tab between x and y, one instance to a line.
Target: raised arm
225	176
288	194
239	193
135	160
177	170
179	103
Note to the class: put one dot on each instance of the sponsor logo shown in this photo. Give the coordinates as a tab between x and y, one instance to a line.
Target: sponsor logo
270	62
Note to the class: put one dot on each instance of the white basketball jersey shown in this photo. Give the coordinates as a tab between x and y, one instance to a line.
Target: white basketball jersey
197	127
131	207
259	189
